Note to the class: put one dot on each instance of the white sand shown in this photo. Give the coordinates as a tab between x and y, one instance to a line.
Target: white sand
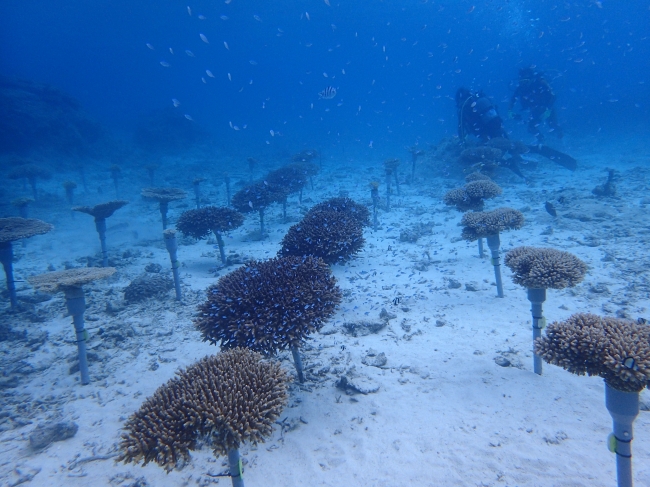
445	413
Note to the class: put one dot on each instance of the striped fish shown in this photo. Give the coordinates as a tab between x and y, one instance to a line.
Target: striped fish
328	93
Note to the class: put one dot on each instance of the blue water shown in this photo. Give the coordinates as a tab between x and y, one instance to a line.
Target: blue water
403	61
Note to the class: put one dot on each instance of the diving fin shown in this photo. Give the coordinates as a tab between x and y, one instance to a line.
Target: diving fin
556	156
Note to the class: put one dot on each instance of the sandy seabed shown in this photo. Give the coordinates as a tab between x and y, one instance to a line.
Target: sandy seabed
456	403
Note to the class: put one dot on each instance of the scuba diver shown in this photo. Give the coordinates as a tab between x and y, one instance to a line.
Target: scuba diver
477	115
535	94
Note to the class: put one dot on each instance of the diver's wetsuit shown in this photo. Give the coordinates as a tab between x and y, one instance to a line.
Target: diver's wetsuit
535	94
477	115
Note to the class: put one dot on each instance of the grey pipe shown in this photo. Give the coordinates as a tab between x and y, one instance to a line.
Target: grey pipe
235	468
374	194
172	247
220	243
388	175
197	195
481	252
397	183
537	296
76	304
227	180
297	361
164	206
494	242
100	225
261	212
624	408
7	257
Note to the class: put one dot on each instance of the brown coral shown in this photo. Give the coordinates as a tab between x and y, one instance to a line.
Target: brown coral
59	281
102	210
348	206
15	228
482	224
269	305
471	196
615	349
545	268
198	223
224	400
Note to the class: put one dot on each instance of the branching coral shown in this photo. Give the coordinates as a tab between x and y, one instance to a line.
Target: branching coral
544	268
257	197
347	206
269	305
224	400
482	224
615	349
198	223
333	236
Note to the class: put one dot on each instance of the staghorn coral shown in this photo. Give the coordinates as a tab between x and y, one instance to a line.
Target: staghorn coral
615	349
147	286
349	207
269	305
102	210
290	178
544	268
163	195
31	172
483	189
331	235
257	196
59	281
482	224
198	223
16	228
476	176
224	400
305	156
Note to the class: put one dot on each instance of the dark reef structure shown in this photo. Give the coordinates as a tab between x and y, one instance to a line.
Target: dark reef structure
147	286
224	401
31	173
608	188
163	196
100	213
269	305
291	178
258	197
539	269
618	351
41	118
11	230
199	223
472	195
334	236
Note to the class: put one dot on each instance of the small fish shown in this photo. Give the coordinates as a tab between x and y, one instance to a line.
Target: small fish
202	17
189	10
257	17
204	38
250	203
189	53
171	51
229	77
209	73
272	132
224	17
396	301
225	44
327	2
550	209
176	103
253	62
150	46
189	117
328	93
164	64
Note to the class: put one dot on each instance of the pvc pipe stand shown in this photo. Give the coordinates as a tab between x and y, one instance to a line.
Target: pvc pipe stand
100	225
623	408
172	247
297	360
76	304
6	257
494	242
537	296
235	468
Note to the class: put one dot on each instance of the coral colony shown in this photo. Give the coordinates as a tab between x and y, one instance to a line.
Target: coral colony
100	213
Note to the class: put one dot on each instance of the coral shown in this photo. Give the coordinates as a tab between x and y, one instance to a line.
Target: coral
69	185
477	176
544	268
471	196
14	228
59	281
615	349
305	156
347	206
102	210
331	235
391	164
147	286
163	195
269	305
608	188
482	224
291	178
483	189
256	196
200	222
223	400
29	171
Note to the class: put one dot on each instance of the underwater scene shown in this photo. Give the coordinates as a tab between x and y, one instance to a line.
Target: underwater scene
325	242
